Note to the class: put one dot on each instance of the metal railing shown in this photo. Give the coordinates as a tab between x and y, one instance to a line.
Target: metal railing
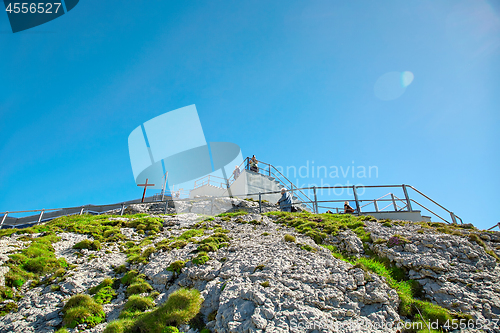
315	204
212	180
271	171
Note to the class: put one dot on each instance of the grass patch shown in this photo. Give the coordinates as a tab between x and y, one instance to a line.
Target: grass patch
181	306
33	262
176	267
104	292
136	305
290	238
233	214
88	244
82	309
201	258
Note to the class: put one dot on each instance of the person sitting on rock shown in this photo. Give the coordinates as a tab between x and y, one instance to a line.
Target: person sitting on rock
347	208
285	201
254	164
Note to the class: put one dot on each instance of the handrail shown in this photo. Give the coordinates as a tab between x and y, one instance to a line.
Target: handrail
453	216
313	203
429	210
285	183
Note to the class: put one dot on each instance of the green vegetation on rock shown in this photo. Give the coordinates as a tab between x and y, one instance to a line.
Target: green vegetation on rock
82	309
181	306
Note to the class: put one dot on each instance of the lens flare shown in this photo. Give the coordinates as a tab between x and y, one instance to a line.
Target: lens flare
392	85
406	78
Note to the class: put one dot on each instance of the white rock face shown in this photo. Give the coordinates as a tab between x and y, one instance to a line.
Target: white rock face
261	283
455	273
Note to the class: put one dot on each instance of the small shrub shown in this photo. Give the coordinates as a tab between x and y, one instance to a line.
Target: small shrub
138	303
119	326
88	244
176	266
308	248
170	329
120	269
81	309
259	267
129	276
397	240
180	307
7	308
289	238
139	288
147	252
201	259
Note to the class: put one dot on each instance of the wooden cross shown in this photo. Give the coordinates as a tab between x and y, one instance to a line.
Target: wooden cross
145	187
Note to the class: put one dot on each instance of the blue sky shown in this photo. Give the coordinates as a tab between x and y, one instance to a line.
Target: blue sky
289	81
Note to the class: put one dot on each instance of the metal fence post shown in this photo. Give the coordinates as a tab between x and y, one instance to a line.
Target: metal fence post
212	206
375	204
123	208
453	219
81	210
315	200
40	217
394	203
407	198
356	198
166	206
260	203
3	219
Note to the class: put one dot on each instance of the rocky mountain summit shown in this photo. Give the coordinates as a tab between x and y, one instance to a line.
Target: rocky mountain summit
245	271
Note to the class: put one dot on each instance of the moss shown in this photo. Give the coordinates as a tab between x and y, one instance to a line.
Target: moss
81	309
129	276
119	326
265	234
8	308
259	267
265	284
62	330
136	305
190	234
120	269
307	248
33	262
88	244
176	266
233	214
201	258
181	306
170	329
139	287
289	238
104	291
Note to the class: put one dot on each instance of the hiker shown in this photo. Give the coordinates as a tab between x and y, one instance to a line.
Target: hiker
254	164
236	172
285	201
329	212
348	209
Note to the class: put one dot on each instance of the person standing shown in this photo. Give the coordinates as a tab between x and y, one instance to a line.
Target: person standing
285	201
254	164
236	172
